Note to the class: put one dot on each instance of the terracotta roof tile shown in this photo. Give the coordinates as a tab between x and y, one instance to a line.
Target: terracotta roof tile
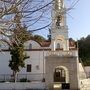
45	44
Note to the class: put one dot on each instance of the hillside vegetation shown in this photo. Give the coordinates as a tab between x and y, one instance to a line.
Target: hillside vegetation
84	50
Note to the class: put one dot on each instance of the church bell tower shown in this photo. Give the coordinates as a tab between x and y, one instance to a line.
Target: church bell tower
59	29
61	64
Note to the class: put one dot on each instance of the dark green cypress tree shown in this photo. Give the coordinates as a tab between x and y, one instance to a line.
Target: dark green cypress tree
18	56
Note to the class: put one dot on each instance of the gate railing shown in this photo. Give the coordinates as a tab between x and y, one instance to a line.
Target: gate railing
29	77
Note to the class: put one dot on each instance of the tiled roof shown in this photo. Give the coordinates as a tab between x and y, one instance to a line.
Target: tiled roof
45	43
72	44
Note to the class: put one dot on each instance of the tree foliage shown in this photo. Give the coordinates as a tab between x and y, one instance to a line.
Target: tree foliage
17	57
17	52
16	39
39	38
31	11
84	49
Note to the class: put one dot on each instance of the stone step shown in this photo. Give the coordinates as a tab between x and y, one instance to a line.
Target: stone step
85	84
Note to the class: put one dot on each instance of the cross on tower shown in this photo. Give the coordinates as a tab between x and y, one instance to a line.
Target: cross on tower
58	4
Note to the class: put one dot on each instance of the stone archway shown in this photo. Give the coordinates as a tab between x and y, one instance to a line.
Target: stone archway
61	74
69	64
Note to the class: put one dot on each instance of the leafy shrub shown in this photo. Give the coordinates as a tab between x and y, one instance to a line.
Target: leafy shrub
23	80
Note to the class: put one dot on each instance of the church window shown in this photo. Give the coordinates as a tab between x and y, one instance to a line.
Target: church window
58	45
30	46
29	67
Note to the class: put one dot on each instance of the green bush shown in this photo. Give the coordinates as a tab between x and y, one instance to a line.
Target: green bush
2	81
23	80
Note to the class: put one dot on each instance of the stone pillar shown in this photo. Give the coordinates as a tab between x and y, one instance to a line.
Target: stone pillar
53	45
74	75
67	44
49	76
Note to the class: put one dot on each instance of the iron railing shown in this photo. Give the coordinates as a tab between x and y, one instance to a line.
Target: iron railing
29	77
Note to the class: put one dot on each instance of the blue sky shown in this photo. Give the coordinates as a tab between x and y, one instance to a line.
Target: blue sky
79	25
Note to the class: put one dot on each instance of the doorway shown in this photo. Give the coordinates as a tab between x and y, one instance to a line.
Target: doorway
59	75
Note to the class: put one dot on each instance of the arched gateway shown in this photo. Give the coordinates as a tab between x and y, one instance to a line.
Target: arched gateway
63	70
61	74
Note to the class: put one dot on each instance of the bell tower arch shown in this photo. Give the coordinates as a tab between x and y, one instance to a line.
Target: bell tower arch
59	27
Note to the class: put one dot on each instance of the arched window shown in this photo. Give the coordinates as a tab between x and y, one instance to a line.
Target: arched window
30	46
58	45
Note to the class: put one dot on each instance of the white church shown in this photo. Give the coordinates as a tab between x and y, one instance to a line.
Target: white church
59	55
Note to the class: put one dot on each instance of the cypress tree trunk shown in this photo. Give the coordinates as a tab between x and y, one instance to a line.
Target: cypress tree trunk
15	76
